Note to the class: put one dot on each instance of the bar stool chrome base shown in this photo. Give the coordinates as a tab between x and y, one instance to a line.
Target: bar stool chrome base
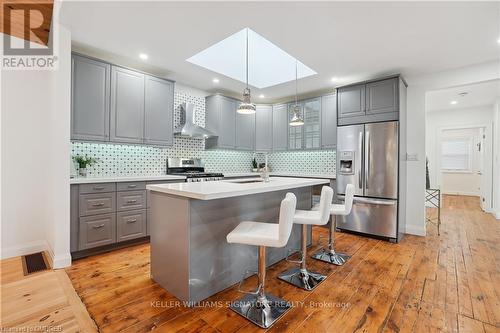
262	310
331	257
302	278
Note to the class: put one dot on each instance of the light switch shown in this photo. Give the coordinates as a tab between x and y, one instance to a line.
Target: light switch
411	157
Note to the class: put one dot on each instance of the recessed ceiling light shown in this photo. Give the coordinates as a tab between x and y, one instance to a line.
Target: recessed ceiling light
453	102
143	56
498	40
334	79
215	80
262	96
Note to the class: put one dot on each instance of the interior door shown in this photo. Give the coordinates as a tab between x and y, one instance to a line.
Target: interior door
480	147
381	160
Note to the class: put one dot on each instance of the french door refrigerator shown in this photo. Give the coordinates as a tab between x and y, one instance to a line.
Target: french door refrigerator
367	157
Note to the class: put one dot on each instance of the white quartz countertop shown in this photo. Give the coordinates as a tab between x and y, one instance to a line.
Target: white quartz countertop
233	188
117	179
283	174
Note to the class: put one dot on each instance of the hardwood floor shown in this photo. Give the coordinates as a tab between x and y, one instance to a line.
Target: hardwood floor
424	284
41	302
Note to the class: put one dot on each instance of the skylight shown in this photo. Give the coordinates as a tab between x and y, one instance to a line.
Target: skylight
268	64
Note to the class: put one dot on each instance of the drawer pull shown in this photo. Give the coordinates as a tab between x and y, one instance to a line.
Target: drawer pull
98	188
98	226
131	201
132	186
99	204
132	221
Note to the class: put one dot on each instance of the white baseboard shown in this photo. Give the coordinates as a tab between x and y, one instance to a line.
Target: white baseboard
27	248
415	230
497	215
60	260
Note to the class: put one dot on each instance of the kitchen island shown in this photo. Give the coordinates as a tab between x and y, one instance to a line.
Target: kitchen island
190	256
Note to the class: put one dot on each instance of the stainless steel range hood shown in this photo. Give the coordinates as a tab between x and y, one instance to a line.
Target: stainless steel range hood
188	128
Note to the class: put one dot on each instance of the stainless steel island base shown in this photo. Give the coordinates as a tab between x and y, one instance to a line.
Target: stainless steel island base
190	256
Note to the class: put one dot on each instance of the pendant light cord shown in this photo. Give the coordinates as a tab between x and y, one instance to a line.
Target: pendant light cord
247	58
296	82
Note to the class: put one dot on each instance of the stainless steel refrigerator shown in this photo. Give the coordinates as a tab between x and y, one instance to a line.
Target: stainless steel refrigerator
368	158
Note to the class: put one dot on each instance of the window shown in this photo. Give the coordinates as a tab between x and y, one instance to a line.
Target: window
456	154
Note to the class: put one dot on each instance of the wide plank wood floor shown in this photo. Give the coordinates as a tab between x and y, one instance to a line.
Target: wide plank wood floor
447	283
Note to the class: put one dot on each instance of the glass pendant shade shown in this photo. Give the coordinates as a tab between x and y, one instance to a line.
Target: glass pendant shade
246	107
296	118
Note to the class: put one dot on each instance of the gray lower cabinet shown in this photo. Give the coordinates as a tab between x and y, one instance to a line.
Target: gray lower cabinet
220	118
99	203
89	99
97	231
131	224
127	105
280	127
329	121
158	111
245	131
131	200
264	128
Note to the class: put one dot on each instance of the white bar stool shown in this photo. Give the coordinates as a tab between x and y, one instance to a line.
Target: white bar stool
329	255
260	308
301	277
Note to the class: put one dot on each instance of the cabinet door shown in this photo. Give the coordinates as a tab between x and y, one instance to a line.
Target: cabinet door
159	112
127	105
245	131
312	123
280	127
382	96
89	99
295	133
227	123
130	225
351	101
264	128
329	121
97	231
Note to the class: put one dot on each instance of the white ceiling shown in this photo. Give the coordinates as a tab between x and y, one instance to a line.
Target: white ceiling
347	40
479	94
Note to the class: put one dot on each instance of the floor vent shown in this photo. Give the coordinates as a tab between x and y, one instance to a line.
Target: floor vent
33	263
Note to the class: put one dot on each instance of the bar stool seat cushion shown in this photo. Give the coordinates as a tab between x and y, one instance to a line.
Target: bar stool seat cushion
256	233
312	217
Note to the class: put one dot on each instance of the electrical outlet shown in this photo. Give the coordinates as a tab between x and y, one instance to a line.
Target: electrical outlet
411	157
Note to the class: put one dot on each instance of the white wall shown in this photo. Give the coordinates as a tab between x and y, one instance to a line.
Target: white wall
415	120
496	159
34	163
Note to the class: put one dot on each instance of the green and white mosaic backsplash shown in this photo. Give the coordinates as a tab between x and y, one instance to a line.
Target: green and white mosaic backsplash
138	160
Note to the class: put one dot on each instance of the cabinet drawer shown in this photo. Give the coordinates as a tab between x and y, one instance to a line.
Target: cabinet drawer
131	224
131	200
131	186
97	188
101	203
97	231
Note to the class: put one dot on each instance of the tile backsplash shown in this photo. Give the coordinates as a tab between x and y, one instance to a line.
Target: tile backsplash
135	160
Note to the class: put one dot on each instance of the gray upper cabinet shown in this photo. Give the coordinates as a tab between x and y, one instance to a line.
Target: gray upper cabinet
158	111
127	105
89	99
312	123
220	118
295	133
382	96
264	128
351	101
245	131
280	127
329	121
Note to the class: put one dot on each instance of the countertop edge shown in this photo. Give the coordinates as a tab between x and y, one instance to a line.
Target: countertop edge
76	181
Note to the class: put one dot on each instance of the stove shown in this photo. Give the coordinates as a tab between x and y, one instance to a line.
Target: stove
191	168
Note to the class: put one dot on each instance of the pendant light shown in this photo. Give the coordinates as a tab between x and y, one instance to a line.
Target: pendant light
296	118
246	107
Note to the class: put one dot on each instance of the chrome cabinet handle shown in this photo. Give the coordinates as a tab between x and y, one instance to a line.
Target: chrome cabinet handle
132	221
131	201
98	226
132	186
367	159
98	188
99	204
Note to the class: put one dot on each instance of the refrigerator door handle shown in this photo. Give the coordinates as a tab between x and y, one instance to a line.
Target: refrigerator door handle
367	159
360	142
371	201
